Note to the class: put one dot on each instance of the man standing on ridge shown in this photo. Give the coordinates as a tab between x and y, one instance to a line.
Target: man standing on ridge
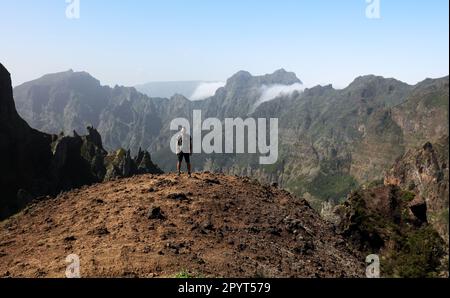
184	150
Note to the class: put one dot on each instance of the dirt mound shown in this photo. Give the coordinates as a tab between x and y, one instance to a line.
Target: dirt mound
210	225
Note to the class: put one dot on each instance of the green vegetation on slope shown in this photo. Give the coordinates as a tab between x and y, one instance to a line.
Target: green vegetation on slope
332	187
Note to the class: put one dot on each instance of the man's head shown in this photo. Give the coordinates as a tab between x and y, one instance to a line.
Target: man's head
183	130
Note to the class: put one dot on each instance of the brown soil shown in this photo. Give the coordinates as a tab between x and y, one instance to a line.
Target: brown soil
210	225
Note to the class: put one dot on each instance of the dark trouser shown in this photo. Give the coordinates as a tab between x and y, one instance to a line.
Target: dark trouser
186	156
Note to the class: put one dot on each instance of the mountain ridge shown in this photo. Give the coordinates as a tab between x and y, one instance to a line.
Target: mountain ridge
343	137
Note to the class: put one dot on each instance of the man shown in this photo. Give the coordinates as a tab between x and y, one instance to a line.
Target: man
184	150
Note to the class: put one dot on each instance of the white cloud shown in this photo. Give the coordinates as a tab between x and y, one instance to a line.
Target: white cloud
205	90
273	91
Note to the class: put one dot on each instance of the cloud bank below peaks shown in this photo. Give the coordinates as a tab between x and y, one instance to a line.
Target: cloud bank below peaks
205	90
271	92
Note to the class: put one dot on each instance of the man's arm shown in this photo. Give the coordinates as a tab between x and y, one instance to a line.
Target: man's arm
191	145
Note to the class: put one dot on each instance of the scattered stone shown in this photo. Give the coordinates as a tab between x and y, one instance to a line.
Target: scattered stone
275	231
156	213
254	230
70	239
208	225
304	247
242	246
99	231
165	183
175	247
212	181
177	196
99	201
293	226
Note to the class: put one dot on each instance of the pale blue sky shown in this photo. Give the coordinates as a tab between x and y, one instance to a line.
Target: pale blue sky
131	42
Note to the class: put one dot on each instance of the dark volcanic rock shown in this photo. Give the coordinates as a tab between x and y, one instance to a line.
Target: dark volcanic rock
120	164
156	213
25	153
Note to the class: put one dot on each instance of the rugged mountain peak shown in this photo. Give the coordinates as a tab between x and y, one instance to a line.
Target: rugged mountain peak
377	89
279	77
179	98
3	72
241	77
69	76
318	90
375	81
8	111
282	77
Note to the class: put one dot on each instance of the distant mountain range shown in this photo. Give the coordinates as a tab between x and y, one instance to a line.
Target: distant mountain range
331	140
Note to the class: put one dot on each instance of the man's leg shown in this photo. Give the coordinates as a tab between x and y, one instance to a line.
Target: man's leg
187	157
180	159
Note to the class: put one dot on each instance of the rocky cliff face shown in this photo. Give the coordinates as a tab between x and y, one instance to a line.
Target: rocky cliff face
392	223
25	154
406	218
424	172
35	164
423	117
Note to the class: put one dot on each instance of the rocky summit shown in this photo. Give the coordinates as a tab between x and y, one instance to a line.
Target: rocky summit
210	225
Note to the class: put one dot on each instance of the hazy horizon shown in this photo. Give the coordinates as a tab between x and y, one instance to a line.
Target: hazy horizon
323	42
